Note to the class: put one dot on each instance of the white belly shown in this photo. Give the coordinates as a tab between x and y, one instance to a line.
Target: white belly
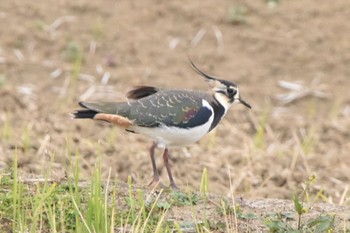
172	136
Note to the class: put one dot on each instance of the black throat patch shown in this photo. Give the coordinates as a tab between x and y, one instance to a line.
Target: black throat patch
219	112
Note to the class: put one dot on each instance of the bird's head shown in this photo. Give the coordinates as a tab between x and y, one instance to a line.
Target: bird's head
225	92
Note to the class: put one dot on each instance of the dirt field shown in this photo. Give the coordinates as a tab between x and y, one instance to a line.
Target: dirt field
55	53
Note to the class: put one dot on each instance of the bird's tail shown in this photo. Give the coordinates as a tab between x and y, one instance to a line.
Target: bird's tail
103	112
84	114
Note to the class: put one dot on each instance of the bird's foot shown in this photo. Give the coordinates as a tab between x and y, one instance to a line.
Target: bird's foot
173	186
156	183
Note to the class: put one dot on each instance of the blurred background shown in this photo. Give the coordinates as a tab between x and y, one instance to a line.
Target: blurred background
290	60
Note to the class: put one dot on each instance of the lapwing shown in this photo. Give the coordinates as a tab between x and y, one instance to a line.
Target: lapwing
171	117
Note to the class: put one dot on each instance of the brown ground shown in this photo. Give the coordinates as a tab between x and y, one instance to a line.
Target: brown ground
147	42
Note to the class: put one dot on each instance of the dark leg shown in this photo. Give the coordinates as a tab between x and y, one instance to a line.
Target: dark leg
155	180
167	166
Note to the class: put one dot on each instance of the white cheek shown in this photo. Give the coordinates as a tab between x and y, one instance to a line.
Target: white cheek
223	100
237	96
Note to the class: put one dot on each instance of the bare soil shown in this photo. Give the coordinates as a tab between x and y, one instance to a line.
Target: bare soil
267	152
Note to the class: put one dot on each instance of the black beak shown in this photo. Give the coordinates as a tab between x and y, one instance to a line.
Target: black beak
244	103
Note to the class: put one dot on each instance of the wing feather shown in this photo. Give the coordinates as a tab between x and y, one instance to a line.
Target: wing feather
170	108
178	108
140	92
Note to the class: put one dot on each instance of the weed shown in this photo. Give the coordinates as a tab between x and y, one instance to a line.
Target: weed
281	223
272	3
7	128
299	203
73	207
335	108
259	137
226	209
74	54
299	208
308	141
26	143
204	188
97	30
237	14
2	80
16	190
183	199
278	225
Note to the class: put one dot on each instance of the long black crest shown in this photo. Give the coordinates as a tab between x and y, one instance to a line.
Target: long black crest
210	77
198	71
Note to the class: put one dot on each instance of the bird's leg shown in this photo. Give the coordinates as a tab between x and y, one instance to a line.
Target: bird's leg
156	179
167	166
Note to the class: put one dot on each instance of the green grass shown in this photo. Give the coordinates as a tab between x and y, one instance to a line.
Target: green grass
71	206
73	54
7	128
106	206
281	222
26	138
3	80
260	135
97	30
238	14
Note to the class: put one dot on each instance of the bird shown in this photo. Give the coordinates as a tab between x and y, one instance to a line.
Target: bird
170	117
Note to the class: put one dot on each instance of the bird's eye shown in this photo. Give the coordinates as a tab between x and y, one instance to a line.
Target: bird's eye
231	91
